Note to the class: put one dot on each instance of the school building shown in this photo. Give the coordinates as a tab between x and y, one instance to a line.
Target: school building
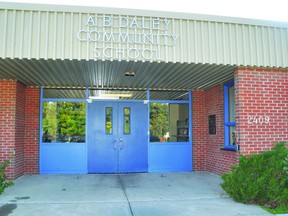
104	90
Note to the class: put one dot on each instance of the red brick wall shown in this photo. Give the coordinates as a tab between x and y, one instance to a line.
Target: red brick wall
12	129
199	131
19	130
32	125
260	93
7	122
217	160
19	127
207	155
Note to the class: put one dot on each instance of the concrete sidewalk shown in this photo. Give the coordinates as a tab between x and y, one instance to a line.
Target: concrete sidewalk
146	194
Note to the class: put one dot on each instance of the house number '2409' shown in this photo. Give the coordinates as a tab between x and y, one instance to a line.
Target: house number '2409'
258	119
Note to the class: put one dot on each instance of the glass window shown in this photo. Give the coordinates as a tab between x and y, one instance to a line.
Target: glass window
64	93
64	122
109	120
231	103
229	116
127	120
232	135
169	122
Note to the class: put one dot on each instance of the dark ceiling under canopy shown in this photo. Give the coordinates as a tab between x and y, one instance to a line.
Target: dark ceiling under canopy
118	75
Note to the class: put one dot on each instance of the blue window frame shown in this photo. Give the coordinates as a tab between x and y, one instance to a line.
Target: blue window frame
229	116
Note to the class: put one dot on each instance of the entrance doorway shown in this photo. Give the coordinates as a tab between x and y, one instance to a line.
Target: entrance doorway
117	137
87	134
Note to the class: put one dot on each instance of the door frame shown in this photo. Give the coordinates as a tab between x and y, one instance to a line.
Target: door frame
84	146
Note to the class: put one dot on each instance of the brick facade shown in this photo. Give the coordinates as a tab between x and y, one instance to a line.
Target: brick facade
32	128
261	94
12	130
19	129
261	106
207	155
218	160
7	121
19	115
199	131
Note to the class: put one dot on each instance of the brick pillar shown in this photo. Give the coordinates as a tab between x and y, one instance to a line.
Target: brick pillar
12	117
262	108
19	129
32	125
199	130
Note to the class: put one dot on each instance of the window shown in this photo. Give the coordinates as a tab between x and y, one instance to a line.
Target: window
63	122
229	116
108	120
127	120
169	122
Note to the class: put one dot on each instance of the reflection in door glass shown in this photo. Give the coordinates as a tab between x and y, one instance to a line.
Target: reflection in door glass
169	122
63	122
108	122
127	120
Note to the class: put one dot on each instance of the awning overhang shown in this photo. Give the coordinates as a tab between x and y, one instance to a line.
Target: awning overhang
117	75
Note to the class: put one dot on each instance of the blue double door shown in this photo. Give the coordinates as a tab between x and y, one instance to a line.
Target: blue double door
117	137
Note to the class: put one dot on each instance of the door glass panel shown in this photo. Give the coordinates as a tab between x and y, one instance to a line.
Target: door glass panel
109	120
127	120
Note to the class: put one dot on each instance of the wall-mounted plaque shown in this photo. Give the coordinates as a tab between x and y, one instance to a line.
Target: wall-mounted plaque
212	124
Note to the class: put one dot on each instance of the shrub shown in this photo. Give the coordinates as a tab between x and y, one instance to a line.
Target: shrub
3	177
260	179
286	165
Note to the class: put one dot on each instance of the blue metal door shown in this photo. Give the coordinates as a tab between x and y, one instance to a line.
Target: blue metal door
102	152
133	143
117	137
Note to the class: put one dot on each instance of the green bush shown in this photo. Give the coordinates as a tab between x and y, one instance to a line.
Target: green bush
3	177
260	179
286	165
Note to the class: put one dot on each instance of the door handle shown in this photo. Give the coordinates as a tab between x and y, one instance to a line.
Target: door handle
115	144
121	143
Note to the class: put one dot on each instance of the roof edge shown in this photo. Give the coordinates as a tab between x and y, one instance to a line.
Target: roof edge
138	12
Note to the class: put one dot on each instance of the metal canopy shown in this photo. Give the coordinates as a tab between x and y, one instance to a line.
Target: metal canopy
111	74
